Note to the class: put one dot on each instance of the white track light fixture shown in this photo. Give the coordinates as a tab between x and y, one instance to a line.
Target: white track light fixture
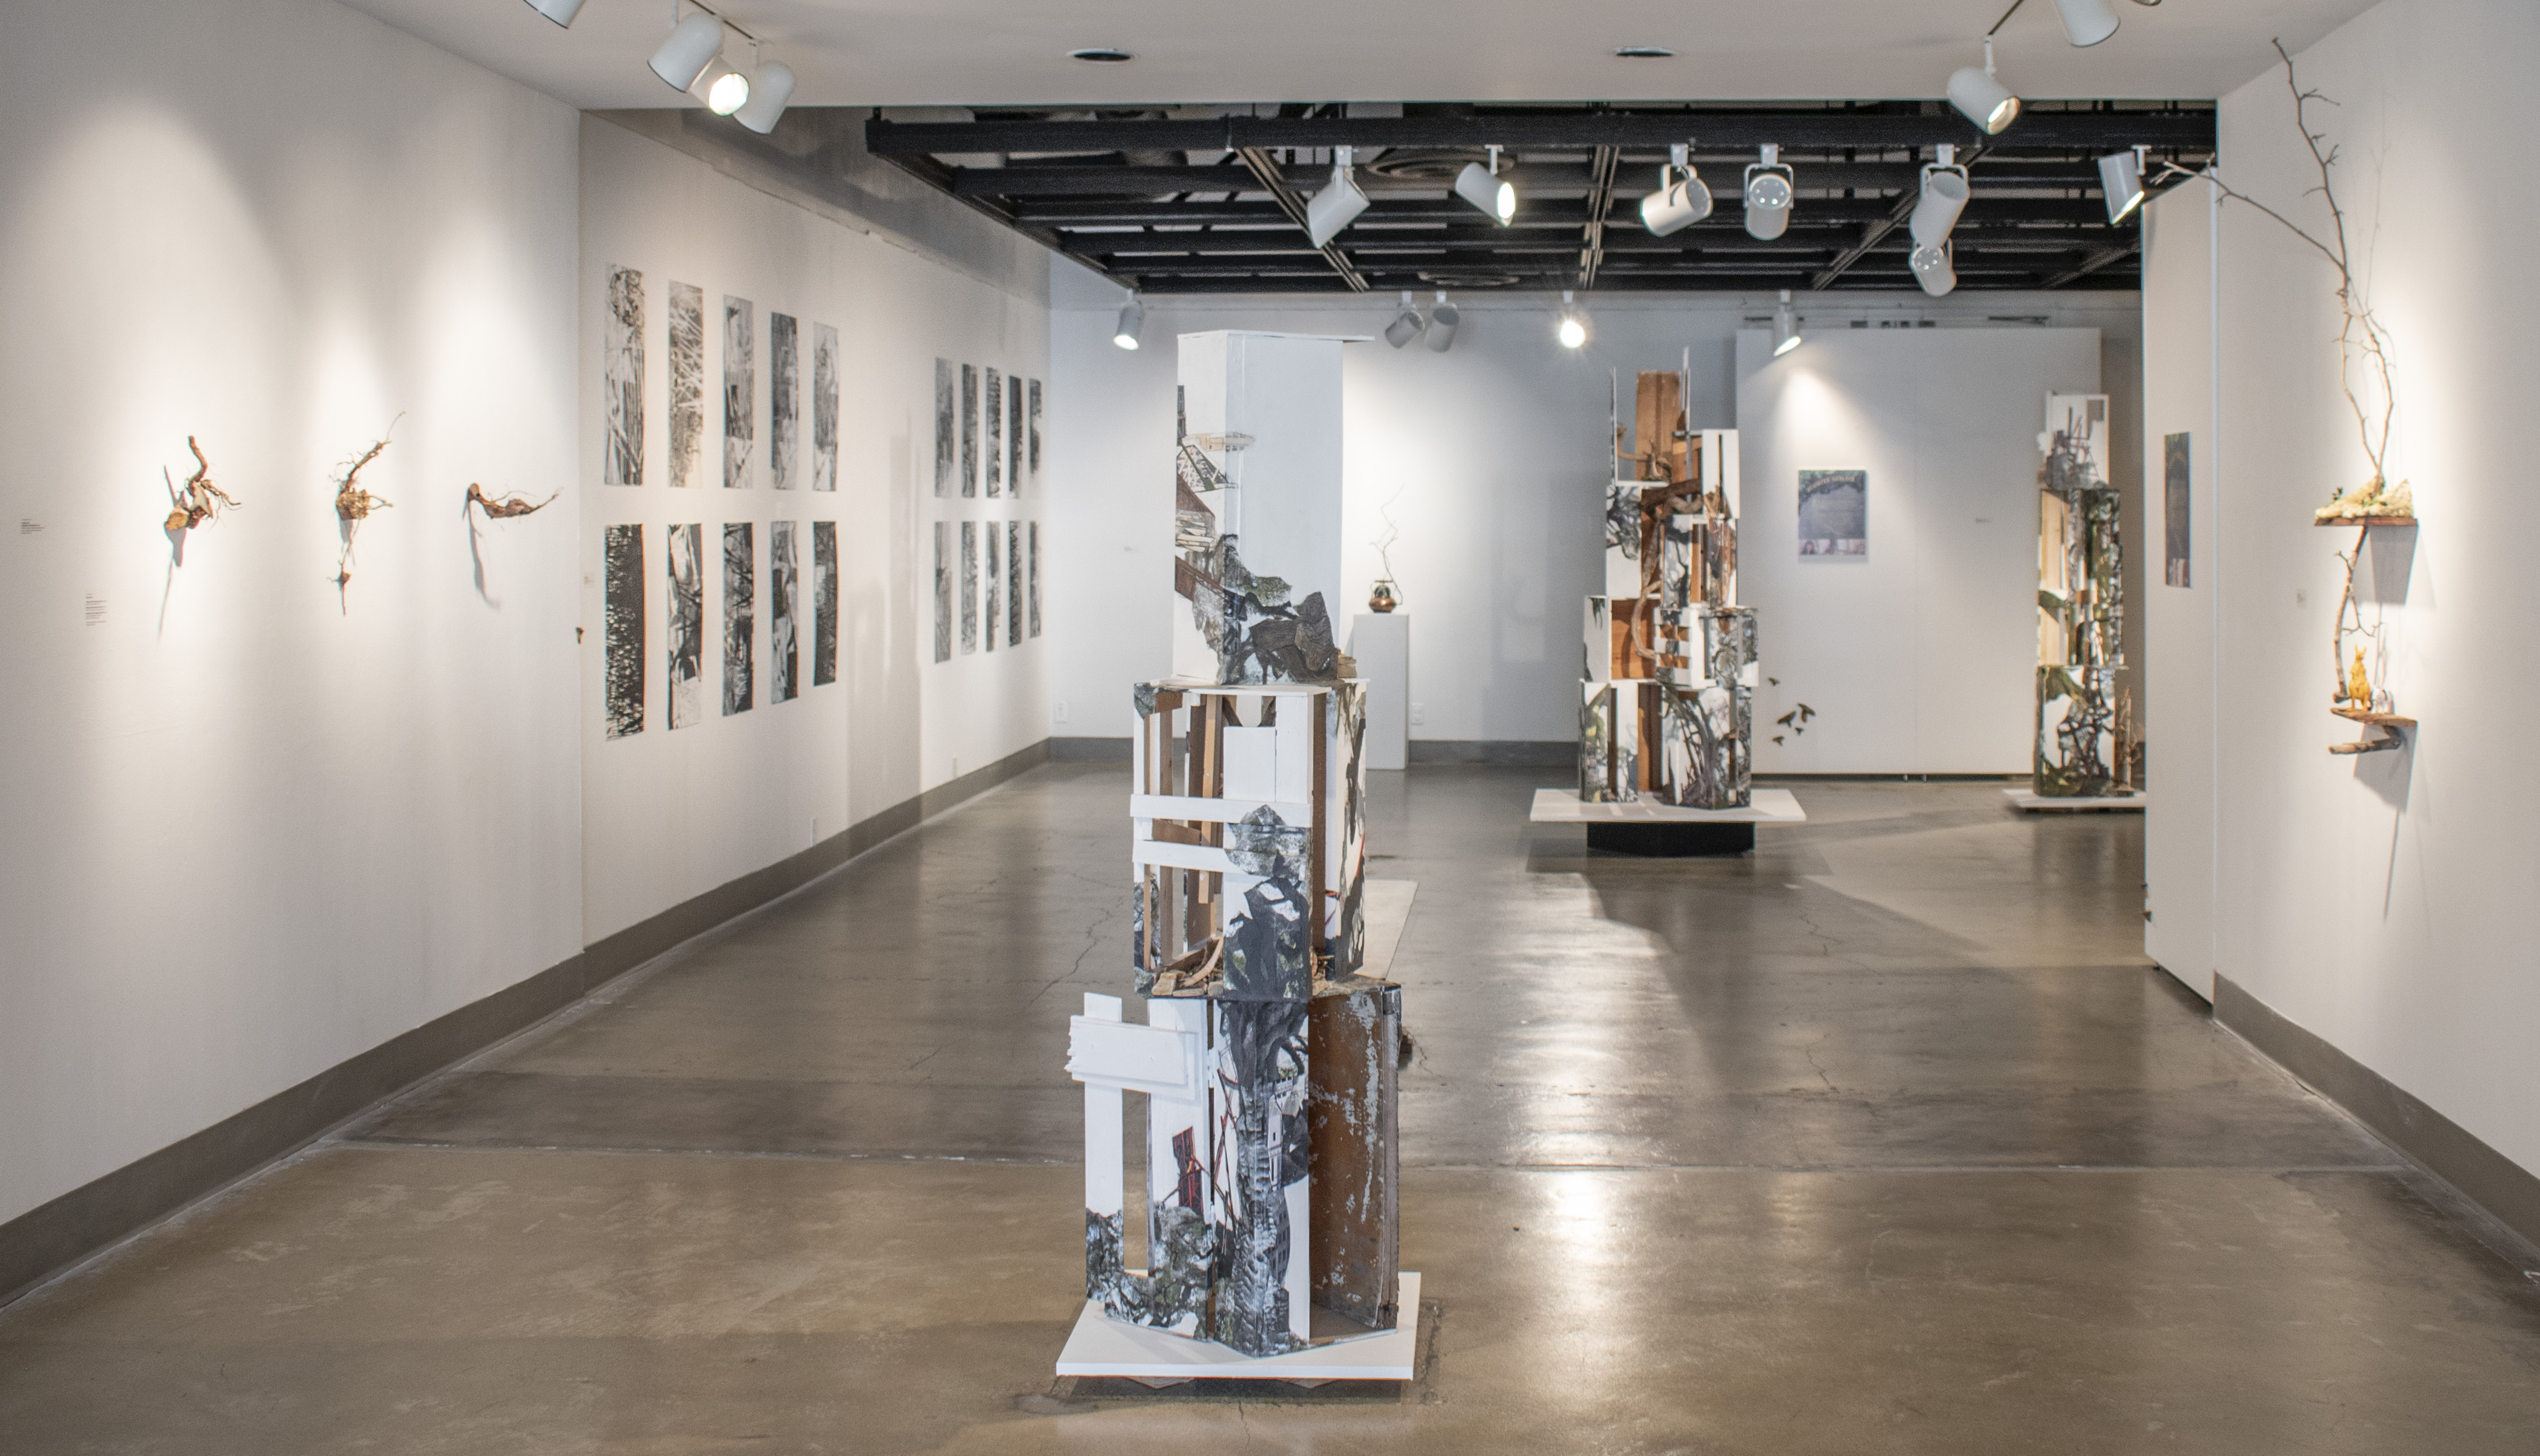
2086	22
1935	268
1768	196
1943	197
1681	199
769	91
1485	190
1133	316
694	44
1338	204
1573	329
1786	327
723	89
2121	178
1444	318
561	12
1981	98
1406	324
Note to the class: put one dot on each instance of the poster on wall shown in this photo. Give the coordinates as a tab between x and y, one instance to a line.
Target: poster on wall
687	381
996	577
1834	512
945	431
622	380
1015	435
623	597
1032	564
969	586
996	432
969	428
1014	583
687	625
784	399
739	390
825	602
825	407
944	592
740	619
2176	509
782	656
1036	431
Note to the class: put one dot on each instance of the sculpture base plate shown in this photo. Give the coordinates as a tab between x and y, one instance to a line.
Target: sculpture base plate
1648	827
2109	803
1102	1345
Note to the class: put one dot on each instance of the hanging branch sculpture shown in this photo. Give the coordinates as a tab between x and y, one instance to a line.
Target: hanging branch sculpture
503	508
198	499
354	505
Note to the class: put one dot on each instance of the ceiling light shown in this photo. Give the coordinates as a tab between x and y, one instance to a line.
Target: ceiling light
1681	199
1109	55
1768	195
723	89
769	91
1981	98
2121	178
1338	204
1444	316
1485	190
1786	327
1572	330
1944	196
1934	269
1133	315
693	42
1406	325
561	12
1643	53
2086	22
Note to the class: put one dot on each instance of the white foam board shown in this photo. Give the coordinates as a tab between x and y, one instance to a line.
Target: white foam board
1102	1345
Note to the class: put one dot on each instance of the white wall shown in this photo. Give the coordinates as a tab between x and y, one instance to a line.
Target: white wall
1489	458
1919	656
672	815
2177	671
2380	901
250	828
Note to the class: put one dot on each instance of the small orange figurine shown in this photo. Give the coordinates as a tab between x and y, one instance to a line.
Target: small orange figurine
2358	689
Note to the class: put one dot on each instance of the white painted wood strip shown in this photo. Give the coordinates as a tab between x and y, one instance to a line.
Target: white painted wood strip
1199	857
1212	811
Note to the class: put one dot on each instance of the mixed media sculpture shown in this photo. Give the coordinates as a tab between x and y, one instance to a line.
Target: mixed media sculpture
1268	1060
502	508
1666	698
2084	746
197	500
354	504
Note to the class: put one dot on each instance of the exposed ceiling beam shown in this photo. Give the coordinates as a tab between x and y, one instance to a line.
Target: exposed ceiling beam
1601	201
2095	263
1089	178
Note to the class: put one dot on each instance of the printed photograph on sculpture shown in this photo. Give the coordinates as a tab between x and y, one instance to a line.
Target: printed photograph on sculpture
1834	512
783	395
740	619
622	380
687	382
739	390
946	429
2177	513
622	599
825	602
782	658
687	625
825	407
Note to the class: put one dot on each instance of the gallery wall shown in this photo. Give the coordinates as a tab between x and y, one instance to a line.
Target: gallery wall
2377	900
258	820
1488	458
674	810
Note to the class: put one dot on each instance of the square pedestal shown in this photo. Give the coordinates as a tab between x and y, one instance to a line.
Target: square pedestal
1102	1345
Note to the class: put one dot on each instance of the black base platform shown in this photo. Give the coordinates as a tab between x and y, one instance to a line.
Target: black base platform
1672	839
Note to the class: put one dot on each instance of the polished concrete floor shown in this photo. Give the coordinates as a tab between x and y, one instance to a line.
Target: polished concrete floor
1883	1139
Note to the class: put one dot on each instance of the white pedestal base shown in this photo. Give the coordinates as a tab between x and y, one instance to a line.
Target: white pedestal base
1102	1345
1564	806
1381	644
2115	803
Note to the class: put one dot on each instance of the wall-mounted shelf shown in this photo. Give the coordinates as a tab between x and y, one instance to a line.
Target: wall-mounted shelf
2363	520
2377	720
2388	722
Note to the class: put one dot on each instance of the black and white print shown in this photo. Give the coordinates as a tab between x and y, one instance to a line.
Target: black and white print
784	399
623	597
946	429
825	407
740	619
1014	583
1834	512
969	428
996	579
687	381
622	380
1014	435
783	657
995	434
969	586
825	602
944	592
2176	503
739	390
1033	441
687	625
1031	566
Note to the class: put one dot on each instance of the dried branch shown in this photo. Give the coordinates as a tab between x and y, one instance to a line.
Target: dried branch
353	504
198	499
504	508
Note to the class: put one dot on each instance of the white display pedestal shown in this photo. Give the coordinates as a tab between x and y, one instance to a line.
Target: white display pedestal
2114	804
1381	644
1102	1345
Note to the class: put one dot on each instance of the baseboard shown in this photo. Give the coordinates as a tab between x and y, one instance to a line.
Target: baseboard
1089	750
51	1237
2487	1177
1509	752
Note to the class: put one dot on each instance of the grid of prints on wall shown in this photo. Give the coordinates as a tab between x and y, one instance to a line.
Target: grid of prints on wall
752	587
987	447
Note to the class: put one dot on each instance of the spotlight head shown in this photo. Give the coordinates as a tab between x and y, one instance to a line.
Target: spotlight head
1406	324
769	91
1935	211
1768	196
1572	330
1444	318
1486	191
1982	100
1338	204
693	42
1786	327
1933	270
1133	316
724	90
1681	199
561	12
2121	179
2086	22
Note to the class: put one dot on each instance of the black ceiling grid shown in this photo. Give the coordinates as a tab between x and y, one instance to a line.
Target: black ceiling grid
1184	205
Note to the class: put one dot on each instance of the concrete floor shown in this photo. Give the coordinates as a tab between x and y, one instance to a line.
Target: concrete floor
1884	1139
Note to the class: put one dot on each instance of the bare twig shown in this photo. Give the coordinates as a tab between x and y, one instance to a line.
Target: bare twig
198	499
505	508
